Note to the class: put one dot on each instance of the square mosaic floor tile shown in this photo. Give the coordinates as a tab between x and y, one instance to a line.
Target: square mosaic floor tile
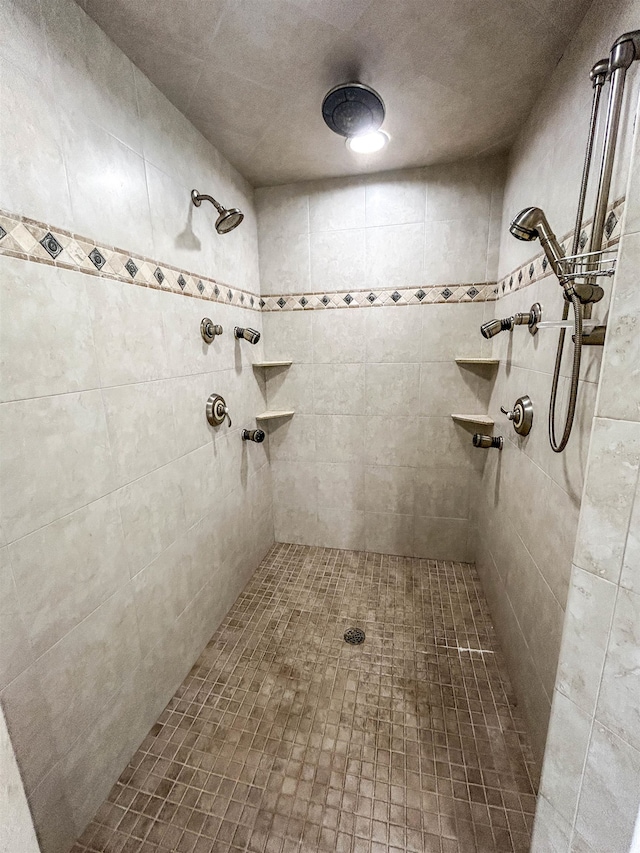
286	738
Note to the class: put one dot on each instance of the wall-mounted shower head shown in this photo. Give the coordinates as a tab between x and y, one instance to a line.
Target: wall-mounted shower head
228	218
532	224
529	318
247	334
493	327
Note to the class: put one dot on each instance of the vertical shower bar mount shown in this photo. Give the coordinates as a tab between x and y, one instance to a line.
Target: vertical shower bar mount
625	51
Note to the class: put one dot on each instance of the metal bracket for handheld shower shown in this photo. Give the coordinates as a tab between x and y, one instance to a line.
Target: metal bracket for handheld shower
256	435
530	318
209	330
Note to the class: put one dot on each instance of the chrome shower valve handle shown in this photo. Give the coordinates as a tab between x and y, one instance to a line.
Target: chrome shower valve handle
209	330
217	410
521	415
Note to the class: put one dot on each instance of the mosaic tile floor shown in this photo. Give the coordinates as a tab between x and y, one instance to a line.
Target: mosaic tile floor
286	738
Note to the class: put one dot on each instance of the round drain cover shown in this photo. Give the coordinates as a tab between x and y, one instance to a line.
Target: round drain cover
354	636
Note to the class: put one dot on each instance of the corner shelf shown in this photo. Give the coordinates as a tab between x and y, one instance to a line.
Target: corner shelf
484	420
270	416
272	363
489	362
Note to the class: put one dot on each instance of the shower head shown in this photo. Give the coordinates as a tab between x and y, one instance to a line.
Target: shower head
529	318
247	334
492	327
352	109
532	224
227	220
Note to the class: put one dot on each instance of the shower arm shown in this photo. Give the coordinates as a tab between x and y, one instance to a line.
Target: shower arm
197	198
623	53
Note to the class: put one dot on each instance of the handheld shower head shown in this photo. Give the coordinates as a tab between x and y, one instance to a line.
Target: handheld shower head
532	224
227	220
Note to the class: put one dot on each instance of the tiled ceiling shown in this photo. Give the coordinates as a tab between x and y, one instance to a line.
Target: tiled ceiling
457	76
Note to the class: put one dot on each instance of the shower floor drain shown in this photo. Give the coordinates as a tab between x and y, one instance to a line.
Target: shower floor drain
354	636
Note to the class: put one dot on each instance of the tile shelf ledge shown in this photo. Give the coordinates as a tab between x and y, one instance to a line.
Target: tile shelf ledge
272	363
269	416
490	362
484	420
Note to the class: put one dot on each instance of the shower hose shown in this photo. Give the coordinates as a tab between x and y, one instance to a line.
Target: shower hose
556	446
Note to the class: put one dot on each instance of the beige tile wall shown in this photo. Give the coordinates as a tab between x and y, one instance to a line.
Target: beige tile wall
372	460
16	826
530	496
127	525
591	774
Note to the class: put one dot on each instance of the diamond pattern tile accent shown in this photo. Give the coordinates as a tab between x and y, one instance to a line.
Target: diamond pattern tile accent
395	296
281	302
531	271
583	240
96	259
348	298
325	300
50	243
473	292
294	741
158	275
229	295
519	276
182	281
303	301
545	264
216	290
3	233
421	295
262	303
371	298
447	293
131	268
200	287
610	224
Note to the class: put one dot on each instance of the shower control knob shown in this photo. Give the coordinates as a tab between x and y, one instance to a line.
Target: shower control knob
209	330
521	415
256	435
217	410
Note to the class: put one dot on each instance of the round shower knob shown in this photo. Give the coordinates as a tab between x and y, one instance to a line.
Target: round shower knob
521	415
217	410
209	330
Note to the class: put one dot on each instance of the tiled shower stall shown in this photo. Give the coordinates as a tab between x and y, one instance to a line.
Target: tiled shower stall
173	599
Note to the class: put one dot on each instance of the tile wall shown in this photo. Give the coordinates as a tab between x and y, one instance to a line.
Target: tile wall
591	775
16	826
372	460
128	525
530	497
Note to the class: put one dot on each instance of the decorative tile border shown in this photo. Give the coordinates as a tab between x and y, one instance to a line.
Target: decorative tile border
537	269
30	240
479	292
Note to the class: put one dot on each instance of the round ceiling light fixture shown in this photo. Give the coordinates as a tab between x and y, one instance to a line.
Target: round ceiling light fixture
353	109
368	143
